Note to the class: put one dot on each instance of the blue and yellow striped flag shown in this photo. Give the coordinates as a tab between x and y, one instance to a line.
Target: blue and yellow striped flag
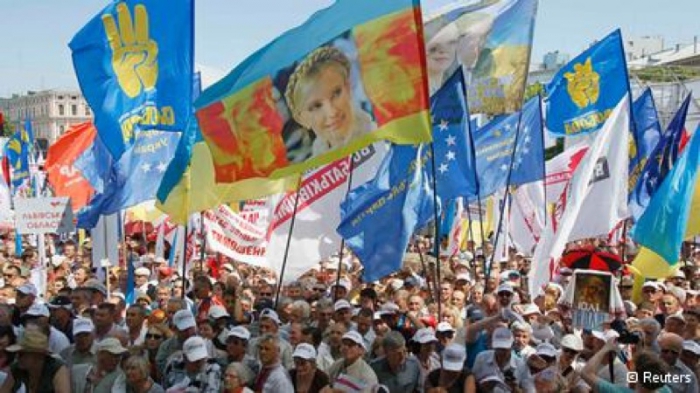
671	217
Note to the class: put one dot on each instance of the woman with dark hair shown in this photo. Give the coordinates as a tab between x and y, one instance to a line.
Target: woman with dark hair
7	338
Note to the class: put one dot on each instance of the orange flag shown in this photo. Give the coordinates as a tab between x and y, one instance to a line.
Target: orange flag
66	180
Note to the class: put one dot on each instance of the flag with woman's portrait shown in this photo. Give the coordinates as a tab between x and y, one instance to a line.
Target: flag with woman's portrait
351	75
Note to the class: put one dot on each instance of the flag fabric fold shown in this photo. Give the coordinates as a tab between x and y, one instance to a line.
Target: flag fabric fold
595	200
494	144
663	226
584	92
351	75
378	218
65	179
646	134
134	63
660	162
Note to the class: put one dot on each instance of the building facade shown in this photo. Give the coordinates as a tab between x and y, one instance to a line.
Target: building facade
51	112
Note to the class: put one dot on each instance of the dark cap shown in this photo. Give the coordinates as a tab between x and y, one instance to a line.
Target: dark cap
263	304
475	314
369	292
61	302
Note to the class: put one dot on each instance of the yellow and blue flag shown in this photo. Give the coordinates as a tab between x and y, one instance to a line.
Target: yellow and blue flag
583	94
134	178
134	63
659	163
494	144
18	150
379	217
351	75
646	134
491	40
668	221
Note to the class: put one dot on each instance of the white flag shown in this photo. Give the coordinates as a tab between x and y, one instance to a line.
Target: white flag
595	200
318	213
528	206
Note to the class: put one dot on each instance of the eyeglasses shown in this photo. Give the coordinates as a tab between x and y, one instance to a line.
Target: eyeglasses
446	334
649	290
265	293
9	276
153	336
671	351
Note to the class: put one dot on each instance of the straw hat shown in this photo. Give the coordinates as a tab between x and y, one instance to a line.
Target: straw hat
33	340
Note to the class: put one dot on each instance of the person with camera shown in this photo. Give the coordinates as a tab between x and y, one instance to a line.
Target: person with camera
649	368
500	361
611	369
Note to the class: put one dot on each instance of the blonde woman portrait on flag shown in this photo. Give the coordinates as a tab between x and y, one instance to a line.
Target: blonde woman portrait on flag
320	98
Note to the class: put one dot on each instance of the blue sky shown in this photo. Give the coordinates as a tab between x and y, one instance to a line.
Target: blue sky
34	33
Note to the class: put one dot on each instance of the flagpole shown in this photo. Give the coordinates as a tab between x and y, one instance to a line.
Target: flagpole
289	241
204	242
425	270
342	239
544	163
184	264
436	246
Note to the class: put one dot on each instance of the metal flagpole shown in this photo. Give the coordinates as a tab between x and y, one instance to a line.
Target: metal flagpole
342	239
289	240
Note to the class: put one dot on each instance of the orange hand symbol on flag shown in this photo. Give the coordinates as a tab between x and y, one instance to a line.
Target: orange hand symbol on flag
134	54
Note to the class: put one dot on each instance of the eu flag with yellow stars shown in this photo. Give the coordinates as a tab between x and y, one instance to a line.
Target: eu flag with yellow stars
134	63
134	178
494	145
454	161
584	92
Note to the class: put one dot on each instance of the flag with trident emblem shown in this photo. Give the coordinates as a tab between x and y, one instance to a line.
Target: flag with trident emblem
134	64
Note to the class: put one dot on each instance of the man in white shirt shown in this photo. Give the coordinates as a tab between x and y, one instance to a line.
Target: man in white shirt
38	314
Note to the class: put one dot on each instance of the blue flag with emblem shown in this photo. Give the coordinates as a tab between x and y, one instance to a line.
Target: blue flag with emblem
584	92
659	164
134	63
494	145
379	217
453	156
134	178
646	134
17	149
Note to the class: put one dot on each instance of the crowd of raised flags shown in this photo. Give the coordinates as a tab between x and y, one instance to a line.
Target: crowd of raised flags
252	205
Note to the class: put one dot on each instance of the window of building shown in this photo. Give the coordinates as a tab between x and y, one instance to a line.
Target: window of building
74	110
61	110
87	111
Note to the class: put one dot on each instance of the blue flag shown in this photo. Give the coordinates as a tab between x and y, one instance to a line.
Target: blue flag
17	150
645	134
584	92
379	217
134	178
494	143
454	160
95	164
134	64
659	164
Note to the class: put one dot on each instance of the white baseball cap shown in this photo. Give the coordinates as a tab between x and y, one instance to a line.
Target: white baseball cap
691	346
546	349
111	345
83	325
443	327
355	337
505	288
142	271
464	276
341	305
502	338
194	349
304	351
184	320
239	332
606	335
38	309
27	289
424	336
453	357
572	341
531	309
271	314
217	312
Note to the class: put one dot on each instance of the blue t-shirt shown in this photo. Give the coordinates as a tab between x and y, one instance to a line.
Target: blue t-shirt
475	348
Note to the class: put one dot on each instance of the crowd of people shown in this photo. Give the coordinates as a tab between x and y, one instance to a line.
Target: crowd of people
230	327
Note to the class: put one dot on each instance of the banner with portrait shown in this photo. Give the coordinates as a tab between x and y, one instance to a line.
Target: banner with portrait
592	297
491	40
351	75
